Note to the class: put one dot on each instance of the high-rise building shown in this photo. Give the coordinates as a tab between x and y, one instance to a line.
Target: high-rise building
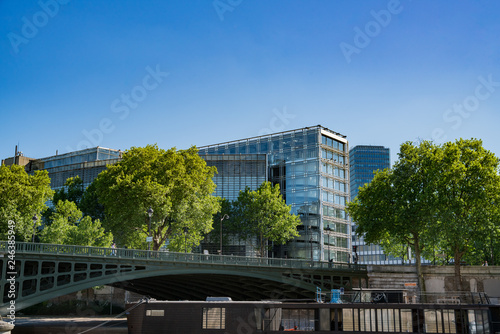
311	167
364	161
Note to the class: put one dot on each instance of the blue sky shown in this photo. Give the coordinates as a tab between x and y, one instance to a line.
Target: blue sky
179	73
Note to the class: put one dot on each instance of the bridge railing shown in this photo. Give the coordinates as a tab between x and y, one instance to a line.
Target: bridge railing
135	254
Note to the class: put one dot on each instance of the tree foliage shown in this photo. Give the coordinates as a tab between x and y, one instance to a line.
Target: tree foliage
89	203
436	198
68	226
72	191
395	208
467	205
176	184
21	197
264	214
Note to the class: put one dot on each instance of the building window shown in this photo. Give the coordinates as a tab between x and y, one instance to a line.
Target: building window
214	318
155	313
298	319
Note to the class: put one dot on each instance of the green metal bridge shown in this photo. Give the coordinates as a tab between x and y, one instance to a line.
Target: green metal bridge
33	272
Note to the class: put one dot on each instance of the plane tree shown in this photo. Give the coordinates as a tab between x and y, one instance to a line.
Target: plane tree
398	205
436	198
21	197
176	184
68	226
264	214
469	196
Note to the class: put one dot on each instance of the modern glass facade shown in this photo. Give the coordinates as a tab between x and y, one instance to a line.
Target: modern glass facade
311	167
364	161
86	164
237	172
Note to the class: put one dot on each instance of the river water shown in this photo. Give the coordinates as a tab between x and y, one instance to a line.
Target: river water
69	325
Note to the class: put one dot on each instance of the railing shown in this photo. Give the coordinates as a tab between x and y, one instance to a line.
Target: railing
381	296
135	254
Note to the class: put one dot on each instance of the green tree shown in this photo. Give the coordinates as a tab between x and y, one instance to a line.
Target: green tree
69	227
176	184
89	203
485	249
21	197
468	198
63	220
264	214
90	233
225	218
435	199
72	190
398	205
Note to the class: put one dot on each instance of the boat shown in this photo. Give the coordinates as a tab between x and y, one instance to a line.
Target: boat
320	315
5	327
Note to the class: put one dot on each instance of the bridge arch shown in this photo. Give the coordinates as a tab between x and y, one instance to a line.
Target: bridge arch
44	271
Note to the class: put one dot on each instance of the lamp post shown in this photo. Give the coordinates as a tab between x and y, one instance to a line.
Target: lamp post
150	214
185	239
225	216
35	219
328	229
311	242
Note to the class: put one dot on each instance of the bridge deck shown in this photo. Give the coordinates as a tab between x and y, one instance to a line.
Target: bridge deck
36	272
134	254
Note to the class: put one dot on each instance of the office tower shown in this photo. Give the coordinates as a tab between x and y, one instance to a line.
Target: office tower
311	167
364	161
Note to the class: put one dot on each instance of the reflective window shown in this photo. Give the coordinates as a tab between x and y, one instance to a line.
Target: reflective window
252	148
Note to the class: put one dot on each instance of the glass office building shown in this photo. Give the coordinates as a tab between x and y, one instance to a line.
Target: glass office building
364	161
311	167
86	164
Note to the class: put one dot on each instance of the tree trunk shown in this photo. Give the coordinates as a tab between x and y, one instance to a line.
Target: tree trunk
261	244
420	275
458	274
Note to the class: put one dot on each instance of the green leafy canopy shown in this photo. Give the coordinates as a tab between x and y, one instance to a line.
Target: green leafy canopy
176	184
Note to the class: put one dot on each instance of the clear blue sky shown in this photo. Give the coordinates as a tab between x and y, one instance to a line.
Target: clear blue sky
179	73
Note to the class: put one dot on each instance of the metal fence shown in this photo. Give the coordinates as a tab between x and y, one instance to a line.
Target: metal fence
381	296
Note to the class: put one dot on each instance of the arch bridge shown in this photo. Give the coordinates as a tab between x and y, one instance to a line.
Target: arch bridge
32	273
